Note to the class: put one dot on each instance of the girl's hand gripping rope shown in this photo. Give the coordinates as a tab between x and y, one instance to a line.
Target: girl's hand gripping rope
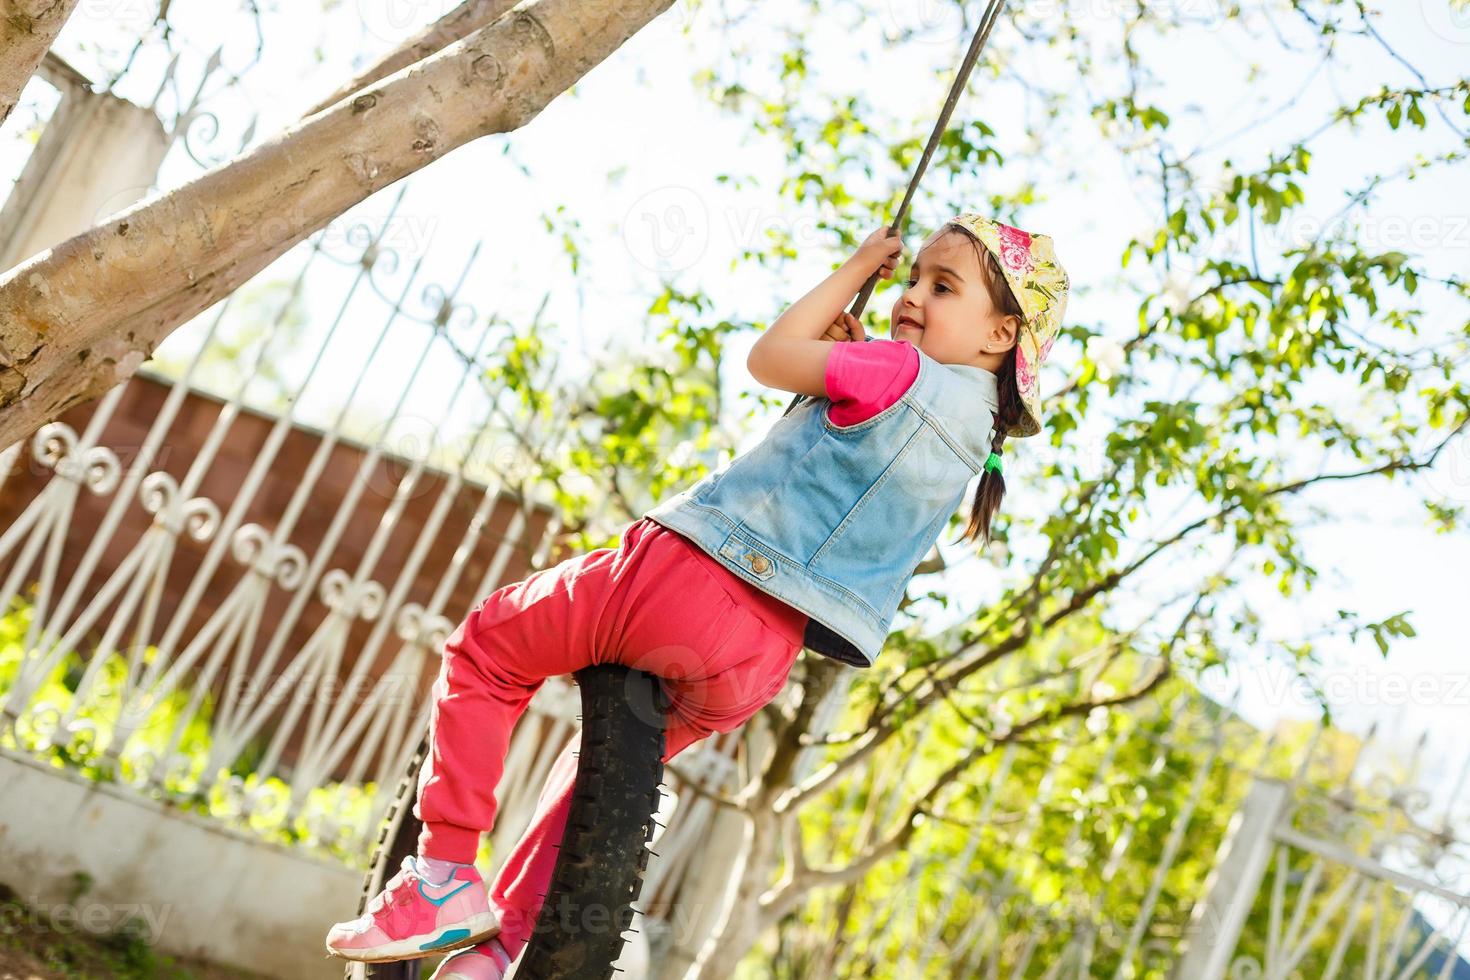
880	251
845	327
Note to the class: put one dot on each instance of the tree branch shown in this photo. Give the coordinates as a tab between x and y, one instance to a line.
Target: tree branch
27	30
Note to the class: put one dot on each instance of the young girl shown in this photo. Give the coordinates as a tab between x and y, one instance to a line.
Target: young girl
808	539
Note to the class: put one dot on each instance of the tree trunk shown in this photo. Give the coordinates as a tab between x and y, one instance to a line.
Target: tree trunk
741	925
746	916
27	29
81	317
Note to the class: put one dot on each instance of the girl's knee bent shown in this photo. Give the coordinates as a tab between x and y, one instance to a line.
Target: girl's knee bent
487	658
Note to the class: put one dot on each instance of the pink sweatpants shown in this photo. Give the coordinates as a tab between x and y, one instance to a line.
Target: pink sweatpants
656	603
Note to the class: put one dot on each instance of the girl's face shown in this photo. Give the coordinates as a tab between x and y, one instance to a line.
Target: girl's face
946	310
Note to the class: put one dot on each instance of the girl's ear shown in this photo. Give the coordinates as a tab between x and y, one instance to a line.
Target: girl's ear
1004	332
1012	328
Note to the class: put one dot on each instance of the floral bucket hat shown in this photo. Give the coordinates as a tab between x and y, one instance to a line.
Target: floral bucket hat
1040	285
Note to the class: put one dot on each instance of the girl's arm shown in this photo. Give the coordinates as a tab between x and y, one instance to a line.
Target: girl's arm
792	353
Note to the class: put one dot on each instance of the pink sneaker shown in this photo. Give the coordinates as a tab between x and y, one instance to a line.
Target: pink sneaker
411	918
487	961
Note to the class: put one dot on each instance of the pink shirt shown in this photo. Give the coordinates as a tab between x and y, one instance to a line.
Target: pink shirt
865	377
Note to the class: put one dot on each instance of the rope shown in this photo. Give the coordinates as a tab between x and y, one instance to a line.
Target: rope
977	46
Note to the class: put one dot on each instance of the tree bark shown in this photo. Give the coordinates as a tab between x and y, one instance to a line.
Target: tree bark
27	30
742	923
81	317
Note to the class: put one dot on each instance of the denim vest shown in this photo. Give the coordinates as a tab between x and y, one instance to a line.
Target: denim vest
832	519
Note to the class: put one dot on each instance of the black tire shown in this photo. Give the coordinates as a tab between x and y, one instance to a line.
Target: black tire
604	852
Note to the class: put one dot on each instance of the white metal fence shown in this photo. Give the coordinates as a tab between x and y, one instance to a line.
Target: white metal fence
285	694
